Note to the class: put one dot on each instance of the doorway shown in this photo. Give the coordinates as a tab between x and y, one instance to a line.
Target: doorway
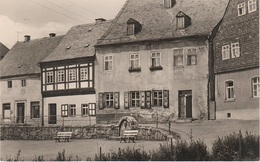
52	114
20	113
185	104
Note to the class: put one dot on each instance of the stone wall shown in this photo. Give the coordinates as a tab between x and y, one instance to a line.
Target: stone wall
81	132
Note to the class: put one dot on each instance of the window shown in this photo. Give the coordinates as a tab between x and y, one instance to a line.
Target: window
109	99
130	29
135	99
225	52
64	110
92	109
72	74
157	98
72	108
178	57
192	56
134	61
181	22
108	61
23	82
9	84
251	6
83	73
168	3
84	108
235	50
35	110
49	77
6	111
156	59
255	87
60	74
241	9
229	90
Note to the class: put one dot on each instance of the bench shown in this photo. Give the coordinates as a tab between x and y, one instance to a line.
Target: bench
130	135
63	135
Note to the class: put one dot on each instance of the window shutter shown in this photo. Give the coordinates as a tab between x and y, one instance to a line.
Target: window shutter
142	99
126	100
166	98
148	99
100	101
116	100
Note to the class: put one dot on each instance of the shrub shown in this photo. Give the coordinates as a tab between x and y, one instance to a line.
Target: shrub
227	148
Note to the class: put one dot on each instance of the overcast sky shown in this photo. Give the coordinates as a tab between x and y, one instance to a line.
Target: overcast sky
38	18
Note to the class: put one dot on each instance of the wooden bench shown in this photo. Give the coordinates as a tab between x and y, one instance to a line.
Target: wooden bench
63	135
130	135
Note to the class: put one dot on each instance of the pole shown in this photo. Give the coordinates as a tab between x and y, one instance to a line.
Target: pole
171	150
156	120
100	154
240	147
169	127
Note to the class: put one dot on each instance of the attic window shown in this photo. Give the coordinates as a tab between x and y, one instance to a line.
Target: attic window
133	27
169	3
86	45
183	20
67	48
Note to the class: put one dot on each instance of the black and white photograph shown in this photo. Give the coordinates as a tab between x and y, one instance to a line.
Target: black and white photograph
129	80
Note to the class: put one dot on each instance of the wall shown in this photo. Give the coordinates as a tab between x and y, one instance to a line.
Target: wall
171	78
30	93
77	120
243	29
244	106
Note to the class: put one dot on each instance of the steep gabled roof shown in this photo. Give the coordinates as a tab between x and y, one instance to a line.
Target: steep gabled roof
24	57
160	23
3	50
79	42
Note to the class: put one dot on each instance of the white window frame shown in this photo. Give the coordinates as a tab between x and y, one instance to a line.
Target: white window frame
64	110
23	82
72	74
135	99
135	60
225	52
92	109
72	110
192	52
109	60
49	77
181	22
60	76
84	73
241	6
157	98
130	29
235	50
109	100
156	58
252	6
178	55
257	85
84	109
229	91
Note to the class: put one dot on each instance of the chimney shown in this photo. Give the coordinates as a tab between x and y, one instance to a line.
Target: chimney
27	38
52	35
99	20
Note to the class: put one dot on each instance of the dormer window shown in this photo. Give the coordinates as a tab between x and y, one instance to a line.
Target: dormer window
183	20
169	3
133	27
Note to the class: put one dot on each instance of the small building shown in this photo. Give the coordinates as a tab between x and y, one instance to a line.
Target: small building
3	50
68	80
155	62
236	51
20	83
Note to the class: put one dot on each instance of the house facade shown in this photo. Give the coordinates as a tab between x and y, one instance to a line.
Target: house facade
155	61
20	84
236	48
68	80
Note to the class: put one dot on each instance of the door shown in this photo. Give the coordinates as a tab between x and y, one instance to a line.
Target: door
185	104
20	113
52	114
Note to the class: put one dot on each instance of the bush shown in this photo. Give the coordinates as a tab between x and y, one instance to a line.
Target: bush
227	148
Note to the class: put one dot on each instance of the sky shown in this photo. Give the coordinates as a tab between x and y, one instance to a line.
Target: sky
38	18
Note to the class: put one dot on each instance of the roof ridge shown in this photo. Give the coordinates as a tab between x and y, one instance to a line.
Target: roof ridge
38	39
